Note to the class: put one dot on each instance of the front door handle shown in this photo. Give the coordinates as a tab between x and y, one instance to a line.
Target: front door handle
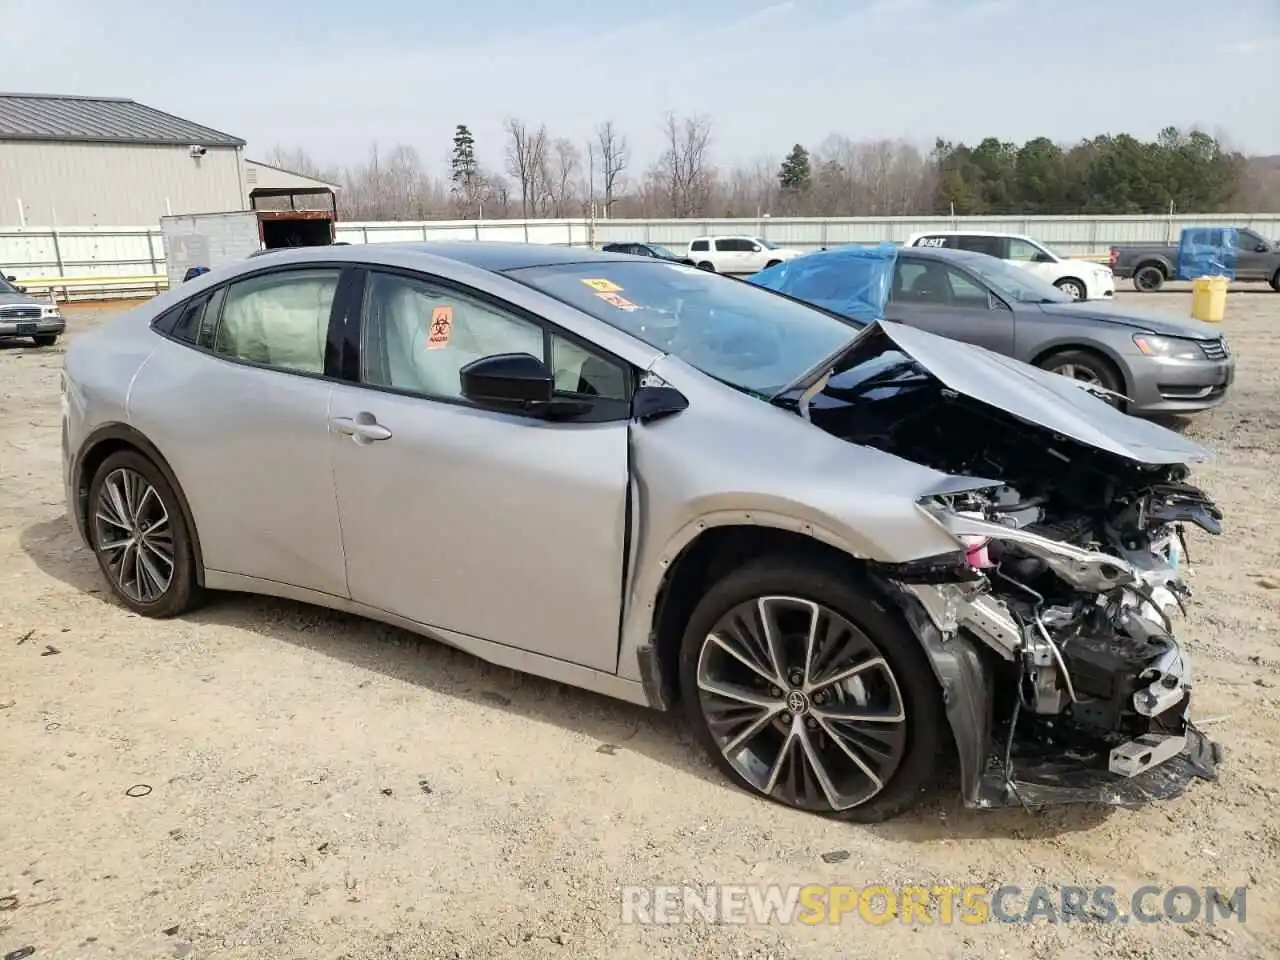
362	428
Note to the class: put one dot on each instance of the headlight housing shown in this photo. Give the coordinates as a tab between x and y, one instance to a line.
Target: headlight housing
48	311
1168	348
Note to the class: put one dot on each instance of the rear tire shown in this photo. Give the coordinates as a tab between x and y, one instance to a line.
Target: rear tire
1086	366
1275	282
1072	287
1148	278
707	265
865	664
45	339
137	531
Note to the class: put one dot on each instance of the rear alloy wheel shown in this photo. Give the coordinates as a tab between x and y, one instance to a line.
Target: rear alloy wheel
806	691
1148	279
1072	287
138	534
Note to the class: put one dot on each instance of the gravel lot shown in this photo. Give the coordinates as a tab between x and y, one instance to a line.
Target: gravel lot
325	787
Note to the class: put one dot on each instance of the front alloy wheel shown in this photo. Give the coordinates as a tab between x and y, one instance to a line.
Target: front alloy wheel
805	687
801	703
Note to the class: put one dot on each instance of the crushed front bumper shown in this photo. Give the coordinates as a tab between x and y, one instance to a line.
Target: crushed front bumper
1161	766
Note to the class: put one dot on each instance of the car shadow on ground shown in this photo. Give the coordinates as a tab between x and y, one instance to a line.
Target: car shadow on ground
615	725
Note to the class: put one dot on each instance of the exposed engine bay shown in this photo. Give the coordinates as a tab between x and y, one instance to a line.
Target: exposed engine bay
1070	577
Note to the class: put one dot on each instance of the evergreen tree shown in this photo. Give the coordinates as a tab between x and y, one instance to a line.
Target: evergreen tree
795	174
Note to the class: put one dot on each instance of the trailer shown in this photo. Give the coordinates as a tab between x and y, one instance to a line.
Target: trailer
206	241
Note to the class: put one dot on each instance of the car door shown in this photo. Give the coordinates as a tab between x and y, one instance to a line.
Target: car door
1029	256
1252	263
939	297
492	524
236	399
729	254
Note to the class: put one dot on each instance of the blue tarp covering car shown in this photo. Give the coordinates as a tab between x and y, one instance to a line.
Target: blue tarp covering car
852	281
1207	252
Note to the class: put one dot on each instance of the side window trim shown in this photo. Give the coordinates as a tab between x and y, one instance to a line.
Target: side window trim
353	342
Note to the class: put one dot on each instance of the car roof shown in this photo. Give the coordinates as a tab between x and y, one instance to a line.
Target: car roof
967	233
942	253
497	256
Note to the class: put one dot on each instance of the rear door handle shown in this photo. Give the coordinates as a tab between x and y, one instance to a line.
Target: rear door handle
362	428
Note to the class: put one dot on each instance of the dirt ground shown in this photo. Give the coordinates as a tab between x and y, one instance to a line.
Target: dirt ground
320	786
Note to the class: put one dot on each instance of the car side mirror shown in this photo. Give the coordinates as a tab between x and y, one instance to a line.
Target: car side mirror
517	381
756	248
21	289
1260	248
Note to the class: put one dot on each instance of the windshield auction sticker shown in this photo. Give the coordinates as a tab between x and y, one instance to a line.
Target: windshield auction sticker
616	301
441	327
603	286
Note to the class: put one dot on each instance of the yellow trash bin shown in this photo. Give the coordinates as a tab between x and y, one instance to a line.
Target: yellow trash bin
1209	298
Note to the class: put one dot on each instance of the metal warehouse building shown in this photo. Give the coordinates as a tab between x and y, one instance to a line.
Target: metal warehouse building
107	161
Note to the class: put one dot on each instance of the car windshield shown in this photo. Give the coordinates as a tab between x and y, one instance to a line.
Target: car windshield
1017	283
5	286
743	335
662	251
766	244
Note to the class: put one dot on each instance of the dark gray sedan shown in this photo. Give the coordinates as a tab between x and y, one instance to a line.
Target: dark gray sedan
1157	363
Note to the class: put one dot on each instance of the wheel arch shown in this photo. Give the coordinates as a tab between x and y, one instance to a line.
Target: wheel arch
113	438
958	665
1101	352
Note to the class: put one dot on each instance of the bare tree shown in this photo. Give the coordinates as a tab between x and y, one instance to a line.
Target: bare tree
527	163
565	165
683	164
615	154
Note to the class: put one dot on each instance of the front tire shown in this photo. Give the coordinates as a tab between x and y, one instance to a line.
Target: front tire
708	266
1072	287
1086	367
804	689
772	263
1275	282
137	532
45	339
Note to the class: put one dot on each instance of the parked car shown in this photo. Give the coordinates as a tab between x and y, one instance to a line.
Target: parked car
1149	362
668	487
655	250
1152	265
737	255
22	315
1079	279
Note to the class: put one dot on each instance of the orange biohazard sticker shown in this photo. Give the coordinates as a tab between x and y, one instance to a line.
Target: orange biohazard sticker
622	303
441	327
603	286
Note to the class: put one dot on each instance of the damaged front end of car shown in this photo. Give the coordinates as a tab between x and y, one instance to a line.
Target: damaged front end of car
1051	626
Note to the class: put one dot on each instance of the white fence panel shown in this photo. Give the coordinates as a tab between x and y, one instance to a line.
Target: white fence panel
43	252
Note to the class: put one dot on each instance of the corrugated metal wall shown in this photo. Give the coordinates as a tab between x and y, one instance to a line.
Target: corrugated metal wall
86	184
124	251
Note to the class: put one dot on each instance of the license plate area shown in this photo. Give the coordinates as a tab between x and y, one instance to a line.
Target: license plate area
29	327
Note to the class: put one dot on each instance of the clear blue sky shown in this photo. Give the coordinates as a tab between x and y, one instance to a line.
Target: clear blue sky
332	76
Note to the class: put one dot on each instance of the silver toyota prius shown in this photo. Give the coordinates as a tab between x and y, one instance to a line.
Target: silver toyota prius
846	551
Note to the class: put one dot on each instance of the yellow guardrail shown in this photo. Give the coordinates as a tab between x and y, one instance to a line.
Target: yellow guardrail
152	281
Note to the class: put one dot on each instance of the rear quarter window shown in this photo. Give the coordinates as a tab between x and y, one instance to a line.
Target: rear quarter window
699	246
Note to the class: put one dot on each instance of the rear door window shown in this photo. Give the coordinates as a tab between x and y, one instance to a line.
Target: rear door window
991	246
